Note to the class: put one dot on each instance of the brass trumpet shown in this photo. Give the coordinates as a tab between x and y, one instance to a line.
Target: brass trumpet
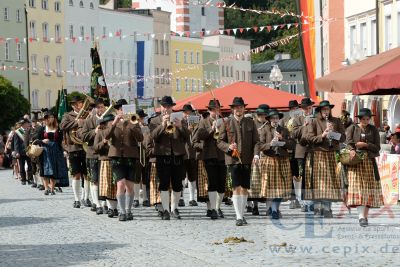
216	133
133	118
170	129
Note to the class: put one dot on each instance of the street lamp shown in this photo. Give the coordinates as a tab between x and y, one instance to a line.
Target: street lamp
276	76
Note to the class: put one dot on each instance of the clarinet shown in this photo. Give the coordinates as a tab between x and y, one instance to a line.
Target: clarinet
329	137
277	129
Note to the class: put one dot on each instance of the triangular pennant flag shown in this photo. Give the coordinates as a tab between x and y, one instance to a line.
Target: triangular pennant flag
221	32
208	32
228	31
181	34
262	28
17	40
87	38
110	34
241	30
188	34
152	36
296	25
305	22
276	27
289	25
255	28
269	28
282	26
248	29
74	39
30	39
234	31
201	34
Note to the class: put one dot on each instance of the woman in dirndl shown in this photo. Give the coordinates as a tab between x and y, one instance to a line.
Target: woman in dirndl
107	187
364	187
322	184
275	166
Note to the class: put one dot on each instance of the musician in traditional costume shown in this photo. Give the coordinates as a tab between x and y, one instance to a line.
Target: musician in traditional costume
169	148
76	154
213	158
20	146
364	187
324	133
107	185
255	186
88	133
124	135
31	135
239	140
190	158
275	143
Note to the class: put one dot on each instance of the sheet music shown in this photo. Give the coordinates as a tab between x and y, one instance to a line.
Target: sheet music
129	109
334	136
277	143
176	115
193	119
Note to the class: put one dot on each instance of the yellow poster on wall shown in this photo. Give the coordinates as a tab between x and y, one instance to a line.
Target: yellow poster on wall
389	172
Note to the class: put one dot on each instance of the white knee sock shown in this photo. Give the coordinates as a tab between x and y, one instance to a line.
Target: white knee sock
121	203
103	203
129	202
144	189
220	197
76	186
268	204
360	210
112	204
244	203
208	205
297	189
136	189
175	200
165	199
274	206
35	179
212	196
237	204
86	186
255	204
192	187
94	189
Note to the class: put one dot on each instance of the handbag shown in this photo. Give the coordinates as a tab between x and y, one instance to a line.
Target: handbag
345	159
34	151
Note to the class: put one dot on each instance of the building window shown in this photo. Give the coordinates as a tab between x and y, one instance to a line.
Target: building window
81	4
57	6
71	2
203	11
166	48
185	57
199	87
156	46
104	31
57	32
71	31
7	50
198	58
205	76
32	3
32	29
223	71
248	76
19	54
231	71
92	33
114	69
105	66
186	85
72	66
191	57
211	76
363	38
46	65
167	76
162	76
121	67
293	89
157	73
33	63
373	37
178	85
352	39
176	56
48	98
243	75
128	68
45	28
161	47
19	18
45	4
91	5
237	75
82	31
35	99
58	66
193	85
388	32
6	14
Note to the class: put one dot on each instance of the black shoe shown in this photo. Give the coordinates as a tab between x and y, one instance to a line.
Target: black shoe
220	213
244	221
166	215
317	211
122	217
228	202
34	185
175	214
77	204
249	209
304	208
115	211
110	213
214	215
129	216
93	208
208	213
105	208
136	203
311	207
363	222
255	211
59	189
160	213
181	203
47	192
239	222
30	182
88	203
23	182
146	203
52	192
193	203
275	215
41	187
269	211
99	211
328	214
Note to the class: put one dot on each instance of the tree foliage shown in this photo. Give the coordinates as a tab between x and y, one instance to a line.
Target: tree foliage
240	19
13	104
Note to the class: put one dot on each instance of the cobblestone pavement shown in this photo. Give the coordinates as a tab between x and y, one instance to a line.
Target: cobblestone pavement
39	230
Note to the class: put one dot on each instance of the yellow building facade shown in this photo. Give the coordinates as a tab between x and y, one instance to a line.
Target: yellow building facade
46	35
186	67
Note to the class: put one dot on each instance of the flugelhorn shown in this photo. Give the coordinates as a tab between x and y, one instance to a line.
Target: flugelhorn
170	129
84	112
132	117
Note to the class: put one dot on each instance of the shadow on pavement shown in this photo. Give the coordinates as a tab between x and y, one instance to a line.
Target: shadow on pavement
21	221
55	254
11	200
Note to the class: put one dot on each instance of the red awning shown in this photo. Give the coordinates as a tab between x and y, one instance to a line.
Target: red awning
252	94
376	75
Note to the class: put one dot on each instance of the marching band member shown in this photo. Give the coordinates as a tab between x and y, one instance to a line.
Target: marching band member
322	183
213	158
124	153
31	135
88	133
20	148
275	166
364	186
299	128
190	158
239	140
101	145
255	186
169	148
